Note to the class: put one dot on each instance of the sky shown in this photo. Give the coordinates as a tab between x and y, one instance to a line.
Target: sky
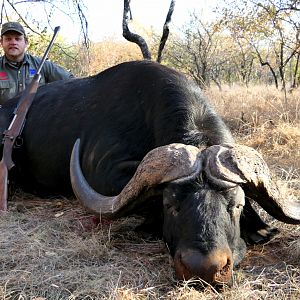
105	16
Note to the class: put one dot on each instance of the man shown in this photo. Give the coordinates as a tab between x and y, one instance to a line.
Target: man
17	68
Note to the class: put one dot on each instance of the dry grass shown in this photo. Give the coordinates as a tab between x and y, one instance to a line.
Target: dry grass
53	249
260	118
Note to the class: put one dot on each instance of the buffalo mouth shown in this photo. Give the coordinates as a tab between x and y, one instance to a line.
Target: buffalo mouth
214	268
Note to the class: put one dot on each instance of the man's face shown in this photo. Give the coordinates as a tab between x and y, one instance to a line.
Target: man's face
14	45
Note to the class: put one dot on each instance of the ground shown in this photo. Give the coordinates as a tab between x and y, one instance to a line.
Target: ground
53	249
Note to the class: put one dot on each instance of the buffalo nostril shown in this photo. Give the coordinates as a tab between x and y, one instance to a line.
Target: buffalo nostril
214	268
224	272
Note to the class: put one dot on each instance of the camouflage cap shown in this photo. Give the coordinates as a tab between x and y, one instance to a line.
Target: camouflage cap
12	26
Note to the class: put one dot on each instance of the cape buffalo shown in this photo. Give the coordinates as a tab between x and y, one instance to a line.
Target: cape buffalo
146	141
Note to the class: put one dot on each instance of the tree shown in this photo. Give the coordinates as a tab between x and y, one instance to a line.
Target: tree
203	52
272	29
243	56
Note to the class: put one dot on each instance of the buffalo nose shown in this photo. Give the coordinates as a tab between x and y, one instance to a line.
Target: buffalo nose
214	267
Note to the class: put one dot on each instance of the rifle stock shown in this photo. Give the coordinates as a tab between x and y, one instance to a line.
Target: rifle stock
16	126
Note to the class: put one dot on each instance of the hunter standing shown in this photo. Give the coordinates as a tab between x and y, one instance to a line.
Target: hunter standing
17	67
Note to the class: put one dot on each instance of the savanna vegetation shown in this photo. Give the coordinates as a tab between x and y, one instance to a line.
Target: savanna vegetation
247	63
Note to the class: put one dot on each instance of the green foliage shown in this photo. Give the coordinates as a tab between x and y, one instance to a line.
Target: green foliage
62	53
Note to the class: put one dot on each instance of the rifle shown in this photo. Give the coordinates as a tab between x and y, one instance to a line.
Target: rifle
17	124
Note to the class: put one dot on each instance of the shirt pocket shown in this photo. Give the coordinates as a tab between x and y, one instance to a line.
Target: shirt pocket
4	84
4	90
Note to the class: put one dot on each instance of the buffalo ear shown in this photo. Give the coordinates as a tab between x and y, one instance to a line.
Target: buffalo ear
245	166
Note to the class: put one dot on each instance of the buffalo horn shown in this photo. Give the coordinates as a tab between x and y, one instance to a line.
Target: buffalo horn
174	162
243	165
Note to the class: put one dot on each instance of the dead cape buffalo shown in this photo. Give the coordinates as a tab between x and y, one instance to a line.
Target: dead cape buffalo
145	141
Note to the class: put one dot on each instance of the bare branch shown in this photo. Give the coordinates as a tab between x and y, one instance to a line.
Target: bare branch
84	24
165	31
132	37
21	18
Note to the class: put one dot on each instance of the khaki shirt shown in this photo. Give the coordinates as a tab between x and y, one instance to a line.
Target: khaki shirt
14	79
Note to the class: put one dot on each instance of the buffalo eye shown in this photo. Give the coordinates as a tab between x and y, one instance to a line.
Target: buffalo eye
239	206
236	212
170	202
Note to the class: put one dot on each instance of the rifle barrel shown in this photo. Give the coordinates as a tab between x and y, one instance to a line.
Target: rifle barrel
56	30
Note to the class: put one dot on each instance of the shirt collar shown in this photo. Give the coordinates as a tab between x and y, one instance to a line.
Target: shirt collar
16	65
